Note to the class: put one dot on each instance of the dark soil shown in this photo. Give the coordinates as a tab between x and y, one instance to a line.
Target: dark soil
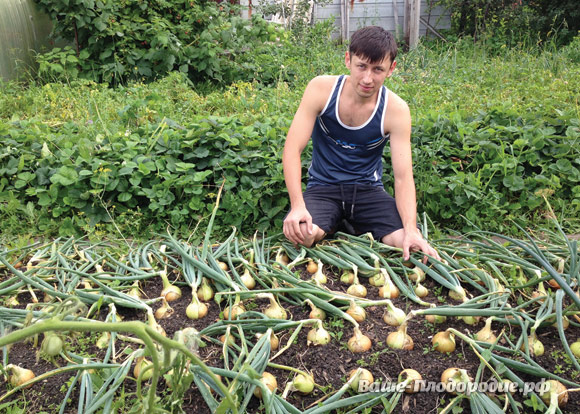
330	364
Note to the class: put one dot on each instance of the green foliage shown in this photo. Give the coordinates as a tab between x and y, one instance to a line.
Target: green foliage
514	21
494	131
127	40
496	164
165	170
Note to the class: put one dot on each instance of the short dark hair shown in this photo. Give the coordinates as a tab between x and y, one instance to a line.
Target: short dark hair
373	43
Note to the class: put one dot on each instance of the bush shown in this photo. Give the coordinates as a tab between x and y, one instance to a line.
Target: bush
119	41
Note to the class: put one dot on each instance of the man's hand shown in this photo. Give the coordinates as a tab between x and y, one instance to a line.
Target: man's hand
292	222
414	242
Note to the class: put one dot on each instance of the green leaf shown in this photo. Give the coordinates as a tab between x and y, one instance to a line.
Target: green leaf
65	176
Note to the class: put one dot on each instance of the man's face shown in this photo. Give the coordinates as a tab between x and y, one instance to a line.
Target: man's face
368	77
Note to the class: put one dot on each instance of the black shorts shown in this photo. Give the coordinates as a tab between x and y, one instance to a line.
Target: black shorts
366	208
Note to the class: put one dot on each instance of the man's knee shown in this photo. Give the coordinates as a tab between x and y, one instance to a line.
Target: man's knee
309	239
395	238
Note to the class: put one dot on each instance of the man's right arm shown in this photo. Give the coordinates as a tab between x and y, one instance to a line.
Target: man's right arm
298	136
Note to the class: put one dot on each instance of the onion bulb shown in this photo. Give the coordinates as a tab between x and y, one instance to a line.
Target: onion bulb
453	376
421	290
377	280
347	277
315	313
18	376
228	339
399	339
394	316
196	310
470	320
311	267
359	342
104	340
565	323
223	266
435	319
444	342
274	341
303	383
416	275
358	290
52	344
414	377
170	292
135	292
486	334
269	381
164	311
575	348
153	323
205	292
274	310
319	277
363	375
356	311
318	335
248	280
282	258
535	347
236	309
389	290
556	392
140	364
458	293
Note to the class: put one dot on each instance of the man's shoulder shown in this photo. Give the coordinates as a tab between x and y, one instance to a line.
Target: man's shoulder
322	82
397	114
396	103
319	89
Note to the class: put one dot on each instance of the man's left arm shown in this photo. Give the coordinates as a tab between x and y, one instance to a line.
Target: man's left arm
399	127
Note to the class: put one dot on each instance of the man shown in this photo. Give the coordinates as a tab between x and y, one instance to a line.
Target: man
350	119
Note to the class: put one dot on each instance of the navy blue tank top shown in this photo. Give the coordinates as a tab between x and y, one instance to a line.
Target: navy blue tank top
342	154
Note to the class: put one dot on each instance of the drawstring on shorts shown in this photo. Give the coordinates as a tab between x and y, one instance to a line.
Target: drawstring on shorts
351	217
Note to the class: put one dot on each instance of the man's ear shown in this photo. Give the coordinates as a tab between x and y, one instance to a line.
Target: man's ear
347	59
392	68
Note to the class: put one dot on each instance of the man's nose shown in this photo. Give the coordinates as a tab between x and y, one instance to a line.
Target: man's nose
367	76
